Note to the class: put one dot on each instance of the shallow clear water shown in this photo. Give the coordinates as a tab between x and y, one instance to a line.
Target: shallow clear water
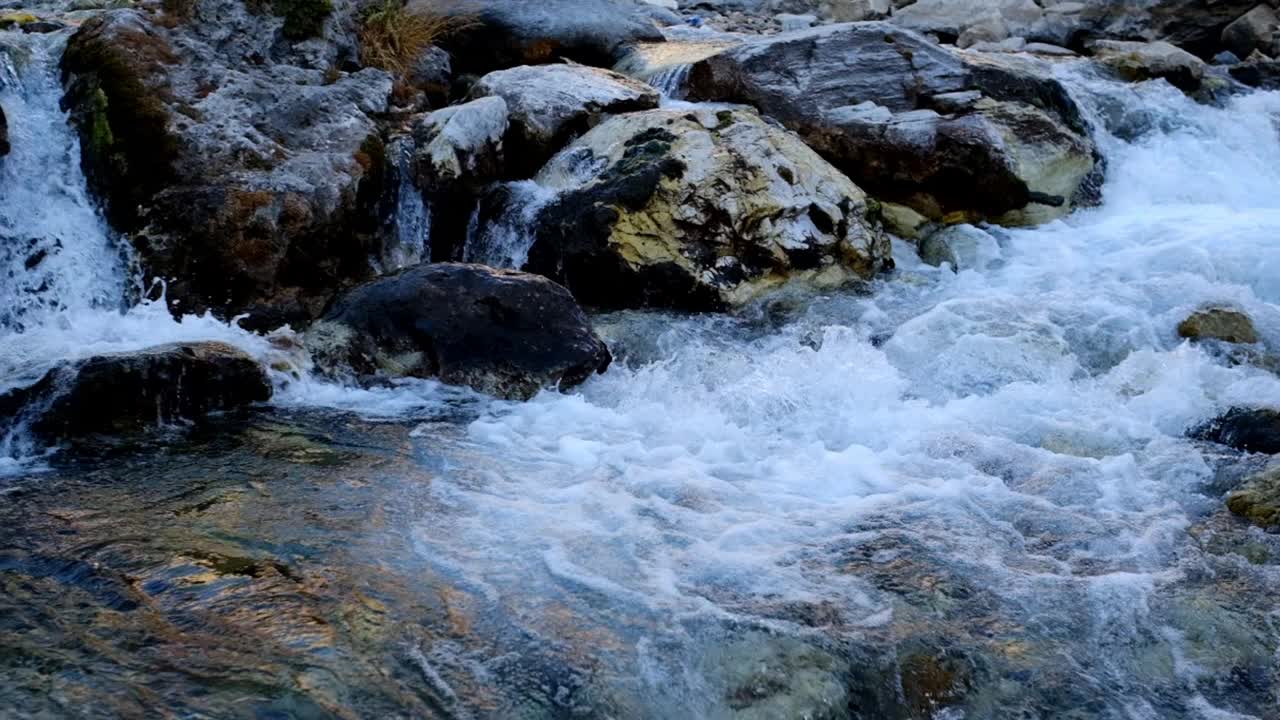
947	495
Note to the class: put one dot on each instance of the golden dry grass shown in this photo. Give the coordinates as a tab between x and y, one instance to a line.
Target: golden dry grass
393	34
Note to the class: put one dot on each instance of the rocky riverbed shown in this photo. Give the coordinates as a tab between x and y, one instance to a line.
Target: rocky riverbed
615	359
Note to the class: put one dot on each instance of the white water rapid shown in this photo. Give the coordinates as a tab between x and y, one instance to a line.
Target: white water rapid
989	466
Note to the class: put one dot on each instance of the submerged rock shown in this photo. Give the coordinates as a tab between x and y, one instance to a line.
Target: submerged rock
551	104
501	332
134	391
1219	323
241	164
700	210
1255	430
1258	500
897	113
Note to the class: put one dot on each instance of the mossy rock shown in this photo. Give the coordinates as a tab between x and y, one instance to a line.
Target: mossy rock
1258	501
1219	323
16	19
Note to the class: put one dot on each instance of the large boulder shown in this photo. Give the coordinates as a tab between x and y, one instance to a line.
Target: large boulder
551	104
242	165
505	33
129	392
955	136
1255	30
501	332
698	209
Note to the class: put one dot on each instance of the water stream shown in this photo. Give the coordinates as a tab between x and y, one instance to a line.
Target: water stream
959	495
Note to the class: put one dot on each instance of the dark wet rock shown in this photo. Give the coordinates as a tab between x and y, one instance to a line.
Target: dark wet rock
1258	71
1219	323
4	134
863	95
1138	61
130	392
501	332
1258	500
242	165
549	105
432	74
1254	30
1255	430
506	34
699	210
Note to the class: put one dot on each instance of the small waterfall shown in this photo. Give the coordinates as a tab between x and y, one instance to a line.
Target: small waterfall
670	81
57	253
504	240
408	224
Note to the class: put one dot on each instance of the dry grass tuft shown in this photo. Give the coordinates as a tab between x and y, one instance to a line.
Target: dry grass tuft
394	34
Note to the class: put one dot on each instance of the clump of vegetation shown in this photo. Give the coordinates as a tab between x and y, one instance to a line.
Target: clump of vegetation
302	18
394	34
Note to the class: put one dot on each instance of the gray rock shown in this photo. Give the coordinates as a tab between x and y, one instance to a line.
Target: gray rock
1253	31
863	95
551	104
1137	61
593	32
230	155
498	331
699	209
461	145
432	73
136	391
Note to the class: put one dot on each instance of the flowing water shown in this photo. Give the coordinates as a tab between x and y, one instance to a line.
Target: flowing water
950	495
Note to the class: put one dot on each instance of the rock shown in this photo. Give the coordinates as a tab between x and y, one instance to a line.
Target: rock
700	210
1258	71
791	22
1219	323
551	104
1258	500
498	331
4	134
592	32
432	74
863	95
1195	25
1227	58
1252	31
963	247
1255	430
242	169
1138	61
461	146
136	391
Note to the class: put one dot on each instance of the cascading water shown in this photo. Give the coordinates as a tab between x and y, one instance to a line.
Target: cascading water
56	252
991	465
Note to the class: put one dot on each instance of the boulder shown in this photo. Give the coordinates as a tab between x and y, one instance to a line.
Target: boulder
551	104
501	332
136	391
1219	323
1255	430
955	136
1258	71
506	33
1138	61
699	210
1252	31
4	134
241	166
